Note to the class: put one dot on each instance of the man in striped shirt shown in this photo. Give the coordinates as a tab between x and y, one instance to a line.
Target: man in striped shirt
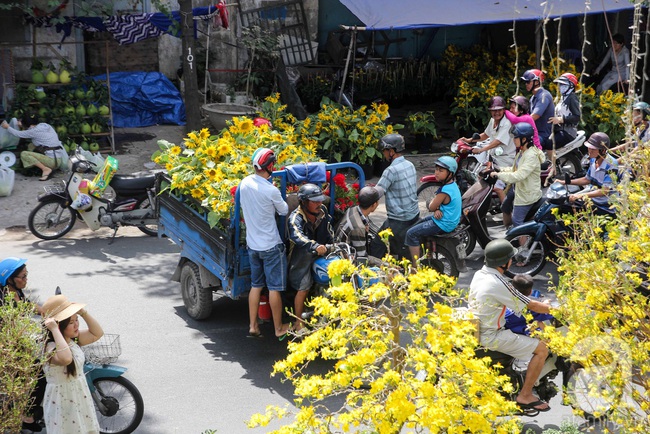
398	183
354	227
489	296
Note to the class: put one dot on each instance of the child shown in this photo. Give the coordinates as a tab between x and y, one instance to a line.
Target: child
446	207
516	323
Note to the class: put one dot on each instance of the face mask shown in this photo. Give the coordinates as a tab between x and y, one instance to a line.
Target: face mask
564	89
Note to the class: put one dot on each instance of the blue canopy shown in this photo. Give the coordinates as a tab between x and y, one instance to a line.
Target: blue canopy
140	99
411	14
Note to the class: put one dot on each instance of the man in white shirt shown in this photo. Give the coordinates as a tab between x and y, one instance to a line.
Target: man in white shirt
260	201
489	296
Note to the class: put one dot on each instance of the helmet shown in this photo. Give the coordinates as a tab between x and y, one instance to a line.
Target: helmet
522	102
643	107
446	162
499	252
263	158
310	192
497	103
567	78
533	74
598	141
393	141
8	266
368	196
523	130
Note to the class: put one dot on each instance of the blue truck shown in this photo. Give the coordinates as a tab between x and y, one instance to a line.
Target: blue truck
213	259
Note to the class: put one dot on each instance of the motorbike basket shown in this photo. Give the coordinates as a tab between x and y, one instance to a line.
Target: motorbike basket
104	351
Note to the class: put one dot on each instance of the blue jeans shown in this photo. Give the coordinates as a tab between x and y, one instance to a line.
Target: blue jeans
424	228
269	268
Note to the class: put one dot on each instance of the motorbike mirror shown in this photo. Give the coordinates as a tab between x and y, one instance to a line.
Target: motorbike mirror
498	151
476	136
57	291
567	179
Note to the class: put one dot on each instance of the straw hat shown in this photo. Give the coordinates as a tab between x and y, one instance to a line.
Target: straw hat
59	308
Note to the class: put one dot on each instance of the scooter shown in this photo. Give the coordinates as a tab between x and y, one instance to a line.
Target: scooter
445	252
568	157
118	402
536	239
60	205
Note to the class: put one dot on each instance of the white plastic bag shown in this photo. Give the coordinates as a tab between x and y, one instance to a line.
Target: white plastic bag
7	177
8	140
93	158
65	163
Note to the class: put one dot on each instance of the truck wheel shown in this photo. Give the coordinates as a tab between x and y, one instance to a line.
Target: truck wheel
197	300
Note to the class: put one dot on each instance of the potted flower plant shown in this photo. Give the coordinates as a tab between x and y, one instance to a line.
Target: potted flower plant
423	126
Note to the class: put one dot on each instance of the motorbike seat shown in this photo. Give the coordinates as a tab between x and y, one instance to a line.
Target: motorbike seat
132	182
533	210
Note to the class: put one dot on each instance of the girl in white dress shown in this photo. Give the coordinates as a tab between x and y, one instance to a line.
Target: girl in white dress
68	406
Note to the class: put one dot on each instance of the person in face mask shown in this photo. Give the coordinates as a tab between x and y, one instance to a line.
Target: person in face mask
567	111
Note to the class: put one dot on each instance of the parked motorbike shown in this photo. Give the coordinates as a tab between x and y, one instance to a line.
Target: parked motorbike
59	206
118	402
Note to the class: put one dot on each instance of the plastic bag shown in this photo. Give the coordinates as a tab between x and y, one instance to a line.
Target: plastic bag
103	177
95	158
7	177
65	163
8	140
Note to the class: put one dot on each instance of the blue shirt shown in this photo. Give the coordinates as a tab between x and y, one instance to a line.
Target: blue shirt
517	323
541	104
451	211
601	177
260	200
399	184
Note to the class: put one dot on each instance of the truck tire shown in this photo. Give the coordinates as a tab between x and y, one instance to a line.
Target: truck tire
197	299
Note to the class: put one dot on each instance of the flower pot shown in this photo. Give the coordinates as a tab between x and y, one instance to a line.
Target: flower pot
219	113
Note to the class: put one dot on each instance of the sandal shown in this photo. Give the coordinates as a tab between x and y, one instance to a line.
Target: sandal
46	177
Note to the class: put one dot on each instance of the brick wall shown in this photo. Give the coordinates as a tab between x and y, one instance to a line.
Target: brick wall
141	56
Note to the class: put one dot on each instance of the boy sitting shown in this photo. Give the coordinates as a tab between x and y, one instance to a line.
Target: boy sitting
518	324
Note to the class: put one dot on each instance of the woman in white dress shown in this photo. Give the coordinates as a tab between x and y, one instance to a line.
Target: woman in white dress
68	406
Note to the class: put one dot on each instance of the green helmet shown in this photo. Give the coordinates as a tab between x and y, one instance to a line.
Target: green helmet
498	253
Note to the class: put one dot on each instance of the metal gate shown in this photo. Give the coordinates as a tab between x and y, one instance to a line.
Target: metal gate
286	19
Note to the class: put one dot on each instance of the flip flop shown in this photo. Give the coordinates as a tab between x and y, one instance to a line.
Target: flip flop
46	177
533	406
253	335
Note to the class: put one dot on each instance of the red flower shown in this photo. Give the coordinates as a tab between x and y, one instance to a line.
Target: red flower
233	191
355	186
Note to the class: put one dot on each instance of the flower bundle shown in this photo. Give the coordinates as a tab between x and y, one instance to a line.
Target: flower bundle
208	168
345	195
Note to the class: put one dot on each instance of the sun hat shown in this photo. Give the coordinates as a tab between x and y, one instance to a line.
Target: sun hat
58	307
368	195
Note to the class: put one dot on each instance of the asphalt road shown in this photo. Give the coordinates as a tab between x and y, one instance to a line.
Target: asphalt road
193	376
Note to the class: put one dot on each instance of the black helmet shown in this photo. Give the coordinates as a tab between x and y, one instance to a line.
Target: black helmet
368	196
522	130
393	141
498	253
310	192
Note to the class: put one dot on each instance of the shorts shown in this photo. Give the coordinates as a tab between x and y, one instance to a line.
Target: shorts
519	214
507	205
269	268
424	228
512	344
500	185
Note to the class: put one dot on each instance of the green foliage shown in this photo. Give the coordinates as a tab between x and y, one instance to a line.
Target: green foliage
263	50
313	89
566	427
422	123
21	344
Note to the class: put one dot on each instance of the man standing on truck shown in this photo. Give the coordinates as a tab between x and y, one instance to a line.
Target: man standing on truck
260	201
310	232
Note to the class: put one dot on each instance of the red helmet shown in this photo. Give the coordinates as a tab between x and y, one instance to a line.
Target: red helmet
567	78
522	102
533	74
262	121
263	158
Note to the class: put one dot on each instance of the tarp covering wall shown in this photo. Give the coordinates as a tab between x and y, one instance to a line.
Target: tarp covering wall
410	14
140	99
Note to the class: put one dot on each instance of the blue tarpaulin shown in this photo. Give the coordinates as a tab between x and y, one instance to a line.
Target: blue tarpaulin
141	99
411	14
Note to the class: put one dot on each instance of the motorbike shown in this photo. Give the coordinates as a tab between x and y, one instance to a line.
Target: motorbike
568	157
59	206
536	239
445	252
118	402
